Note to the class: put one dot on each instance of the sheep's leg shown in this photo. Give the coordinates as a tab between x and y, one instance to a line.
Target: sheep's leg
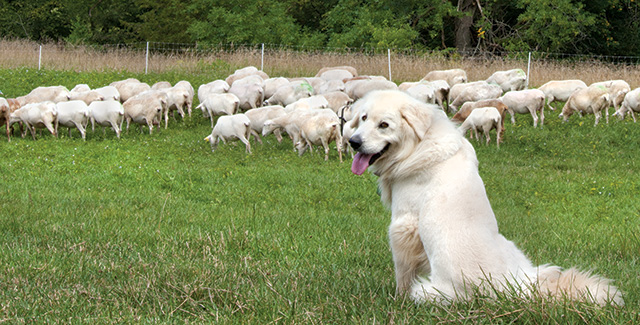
633	115
541	117
128	120
606	110
325	144
256	135
598	116
475	131
32	129
276	132
535	117
513	115
549	104
8	131
499	133
82	131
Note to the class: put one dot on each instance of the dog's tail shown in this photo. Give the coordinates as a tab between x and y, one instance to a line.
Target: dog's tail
577	285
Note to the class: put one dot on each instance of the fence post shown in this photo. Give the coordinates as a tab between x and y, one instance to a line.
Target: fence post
389	62
40	58
146	60
262	59
528	68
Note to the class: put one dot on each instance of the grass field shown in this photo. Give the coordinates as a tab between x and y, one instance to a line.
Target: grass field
157	228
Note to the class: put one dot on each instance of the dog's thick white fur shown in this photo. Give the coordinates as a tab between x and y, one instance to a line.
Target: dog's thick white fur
442	225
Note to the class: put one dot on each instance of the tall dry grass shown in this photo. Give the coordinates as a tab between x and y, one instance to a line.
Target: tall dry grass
291	63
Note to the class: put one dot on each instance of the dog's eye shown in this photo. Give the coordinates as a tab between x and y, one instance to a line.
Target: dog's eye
383	125
364	118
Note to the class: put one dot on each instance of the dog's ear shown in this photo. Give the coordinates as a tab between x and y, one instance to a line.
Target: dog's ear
418	118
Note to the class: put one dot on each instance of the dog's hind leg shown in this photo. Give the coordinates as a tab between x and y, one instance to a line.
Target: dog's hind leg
409	256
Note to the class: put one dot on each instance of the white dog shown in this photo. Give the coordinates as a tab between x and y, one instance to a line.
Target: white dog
442	224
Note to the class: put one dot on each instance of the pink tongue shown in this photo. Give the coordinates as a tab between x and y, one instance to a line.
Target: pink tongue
360	163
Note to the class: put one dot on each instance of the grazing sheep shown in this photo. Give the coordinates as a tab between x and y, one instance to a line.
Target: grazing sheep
591	100
351	69
313	102
483	119
336	74
73	114
259	115
475	93
289	93
362	87
467	107
146	109
243	72
80	88
250	95
108	113
5	111
130	88
320	129
529	101
109	93
161	85
560	90
630	104
214	87
231	127
36	115
617	90
451	76
189	100
289	123
43	94
272	84
422	92
337	100
86	96
329	87
509	80
219	104
177	100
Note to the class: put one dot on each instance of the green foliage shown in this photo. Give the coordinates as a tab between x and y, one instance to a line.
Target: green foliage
80	33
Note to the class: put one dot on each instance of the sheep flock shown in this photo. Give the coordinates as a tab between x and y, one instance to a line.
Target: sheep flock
311	111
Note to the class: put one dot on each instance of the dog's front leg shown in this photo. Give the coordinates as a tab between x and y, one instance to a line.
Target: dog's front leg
409	256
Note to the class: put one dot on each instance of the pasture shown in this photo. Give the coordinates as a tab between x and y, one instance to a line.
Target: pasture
157	228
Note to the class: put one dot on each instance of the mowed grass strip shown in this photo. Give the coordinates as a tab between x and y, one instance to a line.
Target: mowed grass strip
157	228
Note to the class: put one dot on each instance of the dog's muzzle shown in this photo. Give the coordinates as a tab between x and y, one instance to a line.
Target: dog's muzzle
355	142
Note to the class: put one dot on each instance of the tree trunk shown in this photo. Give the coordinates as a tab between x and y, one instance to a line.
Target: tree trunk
464	39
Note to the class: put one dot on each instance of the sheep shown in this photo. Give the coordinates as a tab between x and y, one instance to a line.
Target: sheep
161	85
630	104
336	74
189	88
231	127
86	96
337	100
288	122
108	113
214	87
467	107
36	115
473	94
525	101
509	80
316	101
243	72
177	100
146	109
483	119
457	89
617	89
422	92
5	111
361	88
80	88
219	104
351	69
43	94
272	84
109	93
451	76
259	115
329	87
74	113
560	90
347	132
130	88
593	100
290	93
250	95
320	129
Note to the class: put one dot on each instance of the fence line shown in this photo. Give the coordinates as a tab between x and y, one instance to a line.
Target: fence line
198	57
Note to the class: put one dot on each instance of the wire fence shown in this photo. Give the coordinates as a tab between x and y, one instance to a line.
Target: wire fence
286	60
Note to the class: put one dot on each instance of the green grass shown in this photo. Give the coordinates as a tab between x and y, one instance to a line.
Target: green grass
157	228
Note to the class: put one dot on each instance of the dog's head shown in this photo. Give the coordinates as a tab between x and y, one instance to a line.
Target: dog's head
388	125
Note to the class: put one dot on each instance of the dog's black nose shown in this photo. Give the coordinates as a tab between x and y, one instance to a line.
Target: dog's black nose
355	142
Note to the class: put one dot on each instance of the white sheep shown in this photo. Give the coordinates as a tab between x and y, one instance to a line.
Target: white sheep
483	119
231	127
475	93
289	123
73	114
43	94
108	113
313	102
509	80
214	87
349	68
251	95
80	88
129	88
360	88
630	105
109	93
272	84
320	129
259	115
528	101
146	108
451	76
591	100
219	104
617	90
189	88
36	115
289	93
161	85
86	96
560	90
177	100
337	100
